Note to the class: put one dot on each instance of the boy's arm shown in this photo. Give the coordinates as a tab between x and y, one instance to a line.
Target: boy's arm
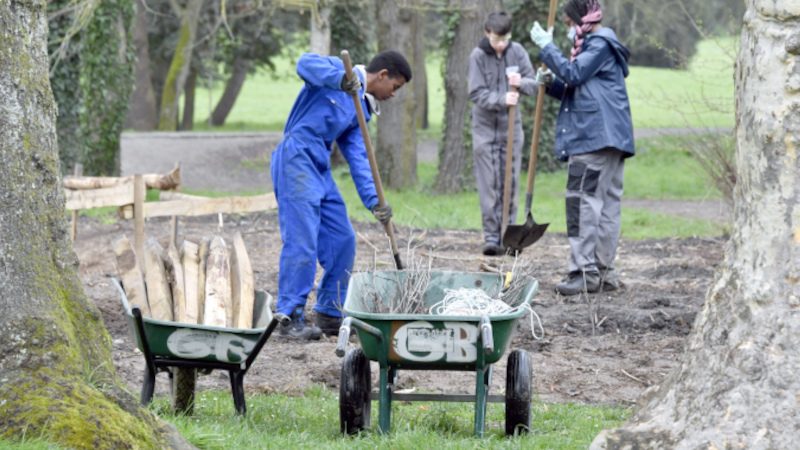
321	71
352	147
479	92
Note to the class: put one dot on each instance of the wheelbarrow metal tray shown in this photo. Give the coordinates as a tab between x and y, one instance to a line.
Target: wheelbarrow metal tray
430	341
178	340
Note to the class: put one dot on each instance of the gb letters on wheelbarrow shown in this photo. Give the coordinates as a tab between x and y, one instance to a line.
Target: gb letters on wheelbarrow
183	349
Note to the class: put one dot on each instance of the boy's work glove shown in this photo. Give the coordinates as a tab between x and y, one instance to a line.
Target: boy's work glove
544	76
539	36
382	213
351	86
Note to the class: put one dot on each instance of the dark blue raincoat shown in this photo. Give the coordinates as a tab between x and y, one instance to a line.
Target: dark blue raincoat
311	213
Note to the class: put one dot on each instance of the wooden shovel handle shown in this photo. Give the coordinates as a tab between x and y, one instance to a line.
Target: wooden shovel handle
373	163
512	116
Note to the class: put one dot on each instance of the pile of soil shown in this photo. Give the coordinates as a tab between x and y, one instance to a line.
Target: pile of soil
603	348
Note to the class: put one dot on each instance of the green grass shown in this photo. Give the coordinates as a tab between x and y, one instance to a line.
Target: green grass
700	96
662	170
312	421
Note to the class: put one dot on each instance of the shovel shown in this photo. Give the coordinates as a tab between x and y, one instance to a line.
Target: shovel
373	163
517	237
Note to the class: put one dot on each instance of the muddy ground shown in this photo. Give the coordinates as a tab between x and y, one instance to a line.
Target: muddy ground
602	348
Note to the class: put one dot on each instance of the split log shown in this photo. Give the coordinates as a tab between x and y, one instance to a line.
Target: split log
218	309
205	206
191	265
172	262
158	292
202	258
241	284
119	194
130	272
164	182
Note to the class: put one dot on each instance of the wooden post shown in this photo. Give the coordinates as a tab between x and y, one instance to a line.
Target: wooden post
78	172
138	216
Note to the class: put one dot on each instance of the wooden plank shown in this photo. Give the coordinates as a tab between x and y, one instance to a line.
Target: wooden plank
202	257
218	309
172	262
138	216
119	195
242	292
191	264
200	207
130	273
175	195
171	180
158	293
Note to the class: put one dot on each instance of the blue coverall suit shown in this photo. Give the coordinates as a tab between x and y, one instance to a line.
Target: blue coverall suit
311	212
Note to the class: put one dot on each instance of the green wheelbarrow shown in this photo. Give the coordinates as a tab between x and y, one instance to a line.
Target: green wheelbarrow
182	350
429	342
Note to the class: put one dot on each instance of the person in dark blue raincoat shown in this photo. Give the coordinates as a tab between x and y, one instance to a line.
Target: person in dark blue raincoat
594	133
311	213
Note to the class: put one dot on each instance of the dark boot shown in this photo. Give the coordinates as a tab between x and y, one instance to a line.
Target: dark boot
609	280
490	249
298	329
328	324
579	282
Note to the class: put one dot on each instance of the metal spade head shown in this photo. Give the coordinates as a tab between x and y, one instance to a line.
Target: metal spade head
518	237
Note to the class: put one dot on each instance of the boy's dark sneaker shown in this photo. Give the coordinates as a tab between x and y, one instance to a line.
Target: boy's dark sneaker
490	249
609	280
297	328
328	324
579	282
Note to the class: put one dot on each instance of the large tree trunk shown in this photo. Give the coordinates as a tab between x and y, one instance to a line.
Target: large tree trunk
455	154
179	68
142	112
58	379
187	122
396	149
420	83
321	28
737	386
231	92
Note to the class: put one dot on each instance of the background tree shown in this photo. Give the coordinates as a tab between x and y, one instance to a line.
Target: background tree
737	384
464	27
58	377
142	112
396	143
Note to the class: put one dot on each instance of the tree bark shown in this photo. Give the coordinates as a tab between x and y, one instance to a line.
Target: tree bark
231	92
455	154
420	83
179	68
737	385
396	148
187	122
321	28
58	379
142	112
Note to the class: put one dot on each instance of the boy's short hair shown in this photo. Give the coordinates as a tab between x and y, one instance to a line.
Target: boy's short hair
498	23
394	62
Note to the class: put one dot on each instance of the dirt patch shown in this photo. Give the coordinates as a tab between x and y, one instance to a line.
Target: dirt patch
602	348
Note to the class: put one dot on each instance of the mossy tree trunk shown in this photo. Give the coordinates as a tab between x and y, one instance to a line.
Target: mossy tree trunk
396	144
738	384
464	30
142	112
180	65
57	379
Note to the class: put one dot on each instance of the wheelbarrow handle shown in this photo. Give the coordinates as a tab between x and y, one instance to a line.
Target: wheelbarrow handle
344	337
282	319
486	335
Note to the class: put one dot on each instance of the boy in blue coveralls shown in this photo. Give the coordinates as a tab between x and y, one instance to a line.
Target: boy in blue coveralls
311	213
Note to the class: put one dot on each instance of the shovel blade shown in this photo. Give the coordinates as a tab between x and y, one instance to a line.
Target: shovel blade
518	237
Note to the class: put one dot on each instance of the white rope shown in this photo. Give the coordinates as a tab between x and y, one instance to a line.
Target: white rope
476	302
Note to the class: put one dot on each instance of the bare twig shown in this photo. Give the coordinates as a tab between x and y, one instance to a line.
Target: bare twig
634	378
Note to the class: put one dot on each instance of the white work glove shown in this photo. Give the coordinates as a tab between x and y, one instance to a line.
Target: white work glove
514	79
543	77
539	36
512	98
351	86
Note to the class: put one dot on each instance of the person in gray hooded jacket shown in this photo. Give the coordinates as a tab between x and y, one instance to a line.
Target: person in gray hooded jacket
594	133
499	70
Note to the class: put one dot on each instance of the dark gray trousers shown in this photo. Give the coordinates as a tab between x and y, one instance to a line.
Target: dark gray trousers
594	194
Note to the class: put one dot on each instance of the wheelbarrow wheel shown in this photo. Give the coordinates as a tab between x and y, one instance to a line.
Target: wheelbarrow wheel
182	388
354	390
518	393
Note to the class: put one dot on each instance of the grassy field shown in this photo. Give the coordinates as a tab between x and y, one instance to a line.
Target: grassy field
700	96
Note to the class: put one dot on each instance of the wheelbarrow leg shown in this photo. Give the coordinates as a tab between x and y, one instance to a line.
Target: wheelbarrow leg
385	400
148	385
237	389
482	376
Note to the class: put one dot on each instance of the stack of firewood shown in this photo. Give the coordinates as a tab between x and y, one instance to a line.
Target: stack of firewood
203	283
